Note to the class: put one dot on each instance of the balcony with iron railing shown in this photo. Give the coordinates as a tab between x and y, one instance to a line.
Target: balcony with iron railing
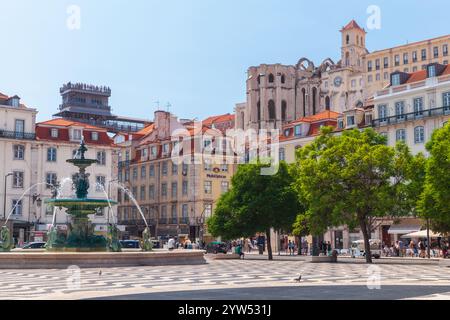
400	118
17	135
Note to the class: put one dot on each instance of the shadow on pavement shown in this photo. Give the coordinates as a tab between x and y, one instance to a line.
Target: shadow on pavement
300	292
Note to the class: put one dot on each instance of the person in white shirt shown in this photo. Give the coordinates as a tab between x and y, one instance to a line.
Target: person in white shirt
171	244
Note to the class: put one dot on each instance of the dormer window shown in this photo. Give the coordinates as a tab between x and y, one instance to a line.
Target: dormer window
350	121
54	133
431	71
395	79
14	102
340	124
298	130
287	133
94	136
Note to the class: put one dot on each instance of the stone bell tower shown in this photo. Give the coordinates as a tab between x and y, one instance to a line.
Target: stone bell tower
353	46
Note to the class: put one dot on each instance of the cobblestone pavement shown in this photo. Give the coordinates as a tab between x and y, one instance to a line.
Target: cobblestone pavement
232	279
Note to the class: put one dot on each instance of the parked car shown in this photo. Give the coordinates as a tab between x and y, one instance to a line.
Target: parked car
216	247
358	248
34	245
130	244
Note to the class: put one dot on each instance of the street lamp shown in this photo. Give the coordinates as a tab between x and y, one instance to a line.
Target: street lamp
4	200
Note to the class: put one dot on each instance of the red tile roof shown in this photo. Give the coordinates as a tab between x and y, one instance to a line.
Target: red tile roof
43	132
68	123
422	75
217	119
325	115
352	25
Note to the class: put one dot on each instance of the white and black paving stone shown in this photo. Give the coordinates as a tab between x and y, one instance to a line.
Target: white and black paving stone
232	280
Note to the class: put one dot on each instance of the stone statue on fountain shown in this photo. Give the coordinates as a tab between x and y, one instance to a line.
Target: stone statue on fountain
146	242
113	239
5	236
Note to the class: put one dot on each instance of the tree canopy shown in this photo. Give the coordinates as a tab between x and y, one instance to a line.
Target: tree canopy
255	203
434	203
352	179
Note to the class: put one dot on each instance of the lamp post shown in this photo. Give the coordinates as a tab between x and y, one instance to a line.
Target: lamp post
4	199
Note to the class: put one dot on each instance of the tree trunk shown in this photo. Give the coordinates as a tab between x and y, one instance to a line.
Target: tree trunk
269	245
366	235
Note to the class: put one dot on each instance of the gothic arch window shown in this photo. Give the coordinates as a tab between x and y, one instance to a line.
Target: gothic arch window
272	112
347	39
258	110
314	98
283	110
271	78
304	101
327	103
259	79
283	79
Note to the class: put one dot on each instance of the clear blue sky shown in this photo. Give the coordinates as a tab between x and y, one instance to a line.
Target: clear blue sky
193	53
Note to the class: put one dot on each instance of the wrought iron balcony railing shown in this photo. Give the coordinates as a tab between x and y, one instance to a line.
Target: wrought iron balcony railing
400	118
17	135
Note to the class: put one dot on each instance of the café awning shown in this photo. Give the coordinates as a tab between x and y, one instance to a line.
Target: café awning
422	234
403	229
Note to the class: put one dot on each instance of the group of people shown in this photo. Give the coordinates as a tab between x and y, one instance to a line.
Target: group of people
413	249
174	243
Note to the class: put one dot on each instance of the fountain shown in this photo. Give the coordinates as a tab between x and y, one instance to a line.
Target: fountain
81	247
81	235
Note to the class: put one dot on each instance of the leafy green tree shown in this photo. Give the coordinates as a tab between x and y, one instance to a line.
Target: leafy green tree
434	203
352	179
255	203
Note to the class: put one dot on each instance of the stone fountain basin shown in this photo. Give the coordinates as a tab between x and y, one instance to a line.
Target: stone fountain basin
86	206
62	260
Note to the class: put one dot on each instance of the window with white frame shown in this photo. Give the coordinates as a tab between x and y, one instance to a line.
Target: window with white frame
446	101
174	168
135	173
143	172
151	192
165	149
51	154
94	136
143	193
382	112
174	192
76	134
208	187
400	135
350	120
17	179
207	210
400	110
298	130
445	50
100	182
19	152
225	186
395	79
418	107
51	180
164	168
185	188
17	207
151	171
154	151
164	189
419	134
145	153
101	158
54	133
